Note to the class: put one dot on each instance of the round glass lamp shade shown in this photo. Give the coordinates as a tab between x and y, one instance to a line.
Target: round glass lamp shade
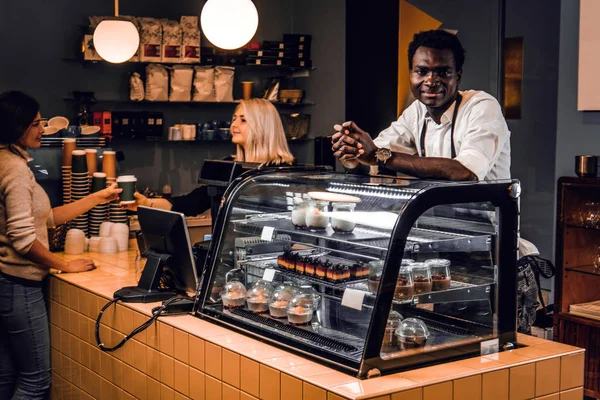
229	24
116	41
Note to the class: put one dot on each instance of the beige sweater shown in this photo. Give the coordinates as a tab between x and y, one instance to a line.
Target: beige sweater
25	214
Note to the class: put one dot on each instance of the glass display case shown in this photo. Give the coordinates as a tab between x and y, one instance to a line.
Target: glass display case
368	275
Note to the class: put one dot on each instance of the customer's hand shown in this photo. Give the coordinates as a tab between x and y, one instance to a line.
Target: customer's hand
353	145
80	265
107	195
140	200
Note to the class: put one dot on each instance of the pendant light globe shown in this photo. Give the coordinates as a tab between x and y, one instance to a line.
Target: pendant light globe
229	24
116	40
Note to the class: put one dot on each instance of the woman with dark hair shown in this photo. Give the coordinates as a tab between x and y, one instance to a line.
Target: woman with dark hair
25	260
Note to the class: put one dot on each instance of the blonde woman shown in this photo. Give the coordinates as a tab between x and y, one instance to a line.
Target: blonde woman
257	132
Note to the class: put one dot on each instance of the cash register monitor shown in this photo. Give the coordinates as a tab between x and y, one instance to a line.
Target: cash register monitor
168	251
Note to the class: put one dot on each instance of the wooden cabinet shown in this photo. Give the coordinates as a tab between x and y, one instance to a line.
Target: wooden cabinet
577	280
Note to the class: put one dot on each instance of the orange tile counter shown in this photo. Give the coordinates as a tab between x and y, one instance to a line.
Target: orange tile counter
182	357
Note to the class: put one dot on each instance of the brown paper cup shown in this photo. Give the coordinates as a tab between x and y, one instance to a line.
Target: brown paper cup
247	90
91	156
68	146
109	164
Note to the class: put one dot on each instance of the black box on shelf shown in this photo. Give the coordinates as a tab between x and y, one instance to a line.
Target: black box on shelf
301	63
120	122
270	54
276	62
300	55
139	124
154	124
297	38
276	45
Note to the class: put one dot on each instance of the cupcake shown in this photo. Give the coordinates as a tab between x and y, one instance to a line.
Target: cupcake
259	296
233	295
300	309
281	298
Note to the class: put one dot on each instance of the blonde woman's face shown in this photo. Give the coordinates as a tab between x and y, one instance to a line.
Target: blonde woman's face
239	127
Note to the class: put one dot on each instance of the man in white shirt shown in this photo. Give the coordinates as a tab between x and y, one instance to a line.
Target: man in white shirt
433	138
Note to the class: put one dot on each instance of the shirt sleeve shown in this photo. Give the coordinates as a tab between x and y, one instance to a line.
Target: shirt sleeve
18	197
400	135
485	137
193	203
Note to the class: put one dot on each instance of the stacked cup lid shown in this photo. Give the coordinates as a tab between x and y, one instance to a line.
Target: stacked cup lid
98	214
79	186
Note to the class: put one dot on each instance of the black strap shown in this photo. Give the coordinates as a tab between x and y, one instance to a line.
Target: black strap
454	115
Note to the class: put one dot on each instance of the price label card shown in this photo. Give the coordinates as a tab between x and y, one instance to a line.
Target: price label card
490	347
353	298
267	233
269	274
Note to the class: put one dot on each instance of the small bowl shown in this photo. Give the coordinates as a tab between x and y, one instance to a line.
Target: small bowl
51	131
90	131
59	122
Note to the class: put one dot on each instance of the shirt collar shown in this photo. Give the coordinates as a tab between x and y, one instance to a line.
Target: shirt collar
16	149
446	117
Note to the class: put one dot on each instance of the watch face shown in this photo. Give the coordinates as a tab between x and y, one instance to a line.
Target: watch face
383	154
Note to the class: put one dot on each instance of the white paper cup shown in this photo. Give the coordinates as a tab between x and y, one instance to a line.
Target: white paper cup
122	240
105	229
108	245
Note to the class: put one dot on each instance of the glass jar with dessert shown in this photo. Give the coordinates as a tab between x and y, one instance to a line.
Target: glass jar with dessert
341	220
259	296
316	214
281	297
233	294
375	271
405	288
421	276
301	309
299	212
412	333
389	337
440	274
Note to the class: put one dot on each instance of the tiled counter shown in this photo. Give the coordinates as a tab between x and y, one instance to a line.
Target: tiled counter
185	357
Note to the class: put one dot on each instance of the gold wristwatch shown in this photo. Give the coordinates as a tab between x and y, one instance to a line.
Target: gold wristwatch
383	155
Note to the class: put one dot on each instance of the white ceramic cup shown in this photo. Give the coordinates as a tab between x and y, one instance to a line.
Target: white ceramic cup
94	245
74	243
105	229
108	245
122	240
119	228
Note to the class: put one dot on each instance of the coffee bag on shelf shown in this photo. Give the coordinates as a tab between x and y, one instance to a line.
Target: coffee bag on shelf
136	87
224	83
181	83
171	41
157	83
204	84
190	39
150	40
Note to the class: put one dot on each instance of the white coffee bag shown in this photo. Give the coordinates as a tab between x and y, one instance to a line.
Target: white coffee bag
204	83
191	39
150	40
171	41
224	83
157	83
136	87
181	83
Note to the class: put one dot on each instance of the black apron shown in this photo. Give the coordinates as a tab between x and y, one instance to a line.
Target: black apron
424	130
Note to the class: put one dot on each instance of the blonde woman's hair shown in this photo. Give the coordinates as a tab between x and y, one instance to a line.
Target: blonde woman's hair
265	141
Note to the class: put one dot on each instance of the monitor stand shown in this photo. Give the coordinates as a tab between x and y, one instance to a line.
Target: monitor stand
147	290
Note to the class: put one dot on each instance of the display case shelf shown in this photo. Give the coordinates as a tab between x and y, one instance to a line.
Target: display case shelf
585	269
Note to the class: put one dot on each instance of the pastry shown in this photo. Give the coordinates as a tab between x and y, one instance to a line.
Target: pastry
299	315
278	309
257	303
440	282
404	289
422	284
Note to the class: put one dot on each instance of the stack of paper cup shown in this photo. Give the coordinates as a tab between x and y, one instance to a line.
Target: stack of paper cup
99	213
127	183
69	145
66	182
109	165
80	186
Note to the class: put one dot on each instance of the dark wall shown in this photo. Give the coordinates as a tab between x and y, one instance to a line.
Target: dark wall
533	136
41	44
371	63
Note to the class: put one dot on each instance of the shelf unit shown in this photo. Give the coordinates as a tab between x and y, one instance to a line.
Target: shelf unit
194	103
576	280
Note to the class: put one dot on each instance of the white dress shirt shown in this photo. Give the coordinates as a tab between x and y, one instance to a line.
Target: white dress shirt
481	136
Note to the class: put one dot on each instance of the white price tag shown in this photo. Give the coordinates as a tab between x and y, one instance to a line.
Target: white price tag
490	347
267	233
353	298
269	274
